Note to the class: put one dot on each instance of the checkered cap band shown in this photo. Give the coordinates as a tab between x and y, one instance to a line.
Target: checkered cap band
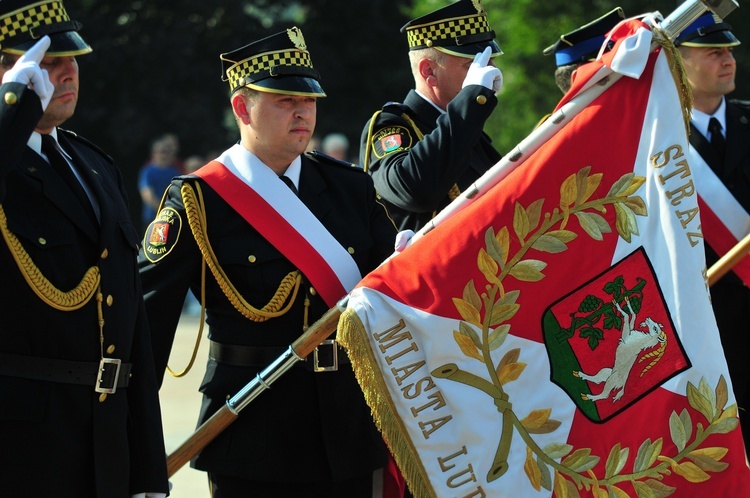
23	21
447	29
261	64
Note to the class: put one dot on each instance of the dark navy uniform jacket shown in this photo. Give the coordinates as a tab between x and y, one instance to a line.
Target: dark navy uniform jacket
412	176
61	439
309	427
730	298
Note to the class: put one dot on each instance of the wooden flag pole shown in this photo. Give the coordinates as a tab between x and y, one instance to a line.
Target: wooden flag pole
727	262
300	349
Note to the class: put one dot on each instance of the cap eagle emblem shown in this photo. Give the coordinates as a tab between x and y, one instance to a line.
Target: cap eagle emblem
295	35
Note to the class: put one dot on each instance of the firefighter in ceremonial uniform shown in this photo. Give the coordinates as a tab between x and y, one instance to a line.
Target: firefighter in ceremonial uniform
720	134
581	45
423	152
271	237
79	406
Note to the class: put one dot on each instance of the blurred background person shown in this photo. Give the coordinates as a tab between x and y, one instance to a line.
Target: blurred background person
336	145
193	162
155	176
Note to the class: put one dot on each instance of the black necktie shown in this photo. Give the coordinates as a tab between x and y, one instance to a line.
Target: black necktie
290	184
60	164
717	138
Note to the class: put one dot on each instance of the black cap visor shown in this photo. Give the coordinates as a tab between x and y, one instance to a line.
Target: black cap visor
722	38
68	43
288	85
471	49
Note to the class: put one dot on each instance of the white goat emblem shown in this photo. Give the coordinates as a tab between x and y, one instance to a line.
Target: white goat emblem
630	345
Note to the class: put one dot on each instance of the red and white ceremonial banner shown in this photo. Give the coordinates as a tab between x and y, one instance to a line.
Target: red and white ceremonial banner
555	337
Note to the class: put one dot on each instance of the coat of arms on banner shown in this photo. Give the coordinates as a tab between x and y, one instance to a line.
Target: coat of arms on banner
612	340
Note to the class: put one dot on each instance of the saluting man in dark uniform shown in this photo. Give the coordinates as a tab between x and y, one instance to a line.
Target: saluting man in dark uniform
282	236
79	406
424	152
720	138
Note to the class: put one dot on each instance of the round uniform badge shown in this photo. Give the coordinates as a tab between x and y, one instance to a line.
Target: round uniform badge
162	234
391	139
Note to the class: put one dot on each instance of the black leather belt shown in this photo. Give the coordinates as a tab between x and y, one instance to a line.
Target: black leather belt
321	360
104	376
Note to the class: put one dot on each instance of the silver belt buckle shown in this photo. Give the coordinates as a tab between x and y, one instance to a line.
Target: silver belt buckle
334	353
106	365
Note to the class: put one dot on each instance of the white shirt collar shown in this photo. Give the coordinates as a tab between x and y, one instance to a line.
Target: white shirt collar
293	171
35	141
700	119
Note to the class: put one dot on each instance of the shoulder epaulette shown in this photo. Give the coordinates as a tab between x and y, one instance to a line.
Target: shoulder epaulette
325	158
404	112
741	103
75	136
395	108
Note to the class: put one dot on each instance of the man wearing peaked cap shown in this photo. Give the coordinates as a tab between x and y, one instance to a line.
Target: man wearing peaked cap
80	410
285	234
277	64
720	135
423	152
581	45
709	30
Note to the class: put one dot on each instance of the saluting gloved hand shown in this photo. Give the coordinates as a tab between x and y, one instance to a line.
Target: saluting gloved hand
481	74
27	71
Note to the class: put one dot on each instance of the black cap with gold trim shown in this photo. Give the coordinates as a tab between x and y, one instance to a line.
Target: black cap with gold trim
583	44
709	30
279	63
22	23
459	29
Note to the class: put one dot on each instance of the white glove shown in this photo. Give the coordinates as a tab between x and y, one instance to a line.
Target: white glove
402	239
27	71
481	74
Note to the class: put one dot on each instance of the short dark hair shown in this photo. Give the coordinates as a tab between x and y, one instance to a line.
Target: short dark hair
563	75
247	92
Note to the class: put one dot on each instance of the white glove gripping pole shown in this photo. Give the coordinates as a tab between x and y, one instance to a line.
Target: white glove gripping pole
27	71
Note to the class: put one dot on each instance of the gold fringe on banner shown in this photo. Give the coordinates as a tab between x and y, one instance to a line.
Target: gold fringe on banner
353	336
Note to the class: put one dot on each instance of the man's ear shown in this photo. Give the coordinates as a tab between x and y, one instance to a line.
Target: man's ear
240	108
427	71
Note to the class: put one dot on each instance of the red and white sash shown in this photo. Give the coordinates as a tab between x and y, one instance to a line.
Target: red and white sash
724	221
255	192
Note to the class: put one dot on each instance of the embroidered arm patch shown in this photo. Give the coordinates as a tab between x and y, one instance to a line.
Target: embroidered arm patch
391	139
162	234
